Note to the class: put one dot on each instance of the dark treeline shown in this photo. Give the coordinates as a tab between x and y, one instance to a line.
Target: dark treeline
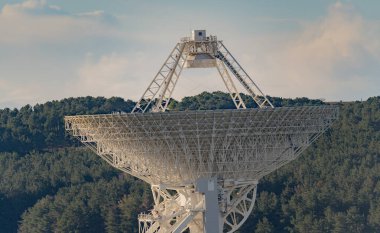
48	183
41	127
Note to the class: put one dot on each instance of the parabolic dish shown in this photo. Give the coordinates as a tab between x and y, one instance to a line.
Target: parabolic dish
176	148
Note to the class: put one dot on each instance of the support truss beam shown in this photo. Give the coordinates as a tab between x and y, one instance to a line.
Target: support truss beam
172	213
165	80
237	205
230	85
171	81
247	82
188	208
208	52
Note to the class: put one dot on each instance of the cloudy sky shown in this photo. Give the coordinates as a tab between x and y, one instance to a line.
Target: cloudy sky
54	49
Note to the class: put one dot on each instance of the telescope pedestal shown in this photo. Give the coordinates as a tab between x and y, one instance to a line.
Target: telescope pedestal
209	206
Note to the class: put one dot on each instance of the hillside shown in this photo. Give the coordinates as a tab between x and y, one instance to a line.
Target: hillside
50	183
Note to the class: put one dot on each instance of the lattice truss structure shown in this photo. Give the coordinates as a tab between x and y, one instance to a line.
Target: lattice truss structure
199	51
175	149
203	166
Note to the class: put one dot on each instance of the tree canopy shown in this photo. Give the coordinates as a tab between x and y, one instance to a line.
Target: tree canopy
50	183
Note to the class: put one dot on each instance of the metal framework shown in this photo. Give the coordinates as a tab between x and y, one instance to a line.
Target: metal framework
164	81
201	52
175	149
203	166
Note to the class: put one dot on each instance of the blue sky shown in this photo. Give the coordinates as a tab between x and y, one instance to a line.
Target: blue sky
55	49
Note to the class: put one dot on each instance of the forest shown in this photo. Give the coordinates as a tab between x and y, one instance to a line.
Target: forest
50	183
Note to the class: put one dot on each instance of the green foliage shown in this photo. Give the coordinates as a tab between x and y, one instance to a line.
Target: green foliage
334	185
48	185
264	226
102	206
221	100
41	127
25	179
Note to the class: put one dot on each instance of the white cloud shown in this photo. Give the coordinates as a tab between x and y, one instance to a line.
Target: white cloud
12	9
336	57
11	94
103	76
42	46
96	13
129	75
43	54
111	75
35	21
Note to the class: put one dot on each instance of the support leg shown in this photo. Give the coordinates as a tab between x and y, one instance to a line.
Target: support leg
163	81
208	207
238	203
230	85
211	215
247	82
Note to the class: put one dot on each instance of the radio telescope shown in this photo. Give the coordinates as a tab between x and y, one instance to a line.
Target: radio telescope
203	166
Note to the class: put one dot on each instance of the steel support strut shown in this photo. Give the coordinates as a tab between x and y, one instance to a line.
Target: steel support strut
247	82
173	213
165	80
171	80
208	207
230	85
237	205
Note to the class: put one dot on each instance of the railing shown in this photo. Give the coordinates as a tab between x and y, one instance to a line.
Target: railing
208	39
